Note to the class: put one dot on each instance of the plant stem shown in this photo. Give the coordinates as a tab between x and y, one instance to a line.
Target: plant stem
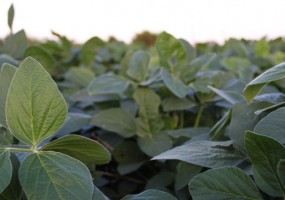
12	149
198	118
181	120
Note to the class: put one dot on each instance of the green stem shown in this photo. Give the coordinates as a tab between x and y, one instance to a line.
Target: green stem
198	118
181	120
12	149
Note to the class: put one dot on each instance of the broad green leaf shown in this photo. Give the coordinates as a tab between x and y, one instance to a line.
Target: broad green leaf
129	156
74	122
14	189
5	169
275	73
16	45
204	153
230	96
42	56
191	52
160	181
224	183
191	69
155	144
243	119
272	125
89	49
5	58
174	84
150	195
172	54
35	108
185	173
281	172
11	17
262	48
108	84
173	103
6	75
98	195
116	120
84	149
138	66
80	76
149	121
265	154
53	175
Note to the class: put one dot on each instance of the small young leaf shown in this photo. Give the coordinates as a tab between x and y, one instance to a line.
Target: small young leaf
275	73
150	195
35	108
116	120
138	66
11	17
265	154
204	153
6	75
171	52
53	175
224	183
86	150
5	169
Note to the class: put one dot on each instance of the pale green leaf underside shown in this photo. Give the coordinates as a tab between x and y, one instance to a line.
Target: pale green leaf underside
35	108
81	148
275	73
53	175
224	183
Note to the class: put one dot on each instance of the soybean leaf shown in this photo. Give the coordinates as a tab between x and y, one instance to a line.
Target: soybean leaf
74	122
6	75
191	52
16	45
149	121
42	56
243	119
108	84
172	54
151	194
262	48
185	173
129	161
155	144
204	153
174	84
116	120
265	154
230	96
98	195
5	58
160	181
5	169
275	73
53	175
11	17
80	76
223	183
84	149
272	125
280	171
35	108
89	49
138	66
174	103
14	189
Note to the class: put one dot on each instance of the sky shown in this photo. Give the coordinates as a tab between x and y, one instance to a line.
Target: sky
193	20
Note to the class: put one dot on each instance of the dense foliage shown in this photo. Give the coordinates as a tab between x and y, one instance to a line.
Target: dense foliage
105	120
